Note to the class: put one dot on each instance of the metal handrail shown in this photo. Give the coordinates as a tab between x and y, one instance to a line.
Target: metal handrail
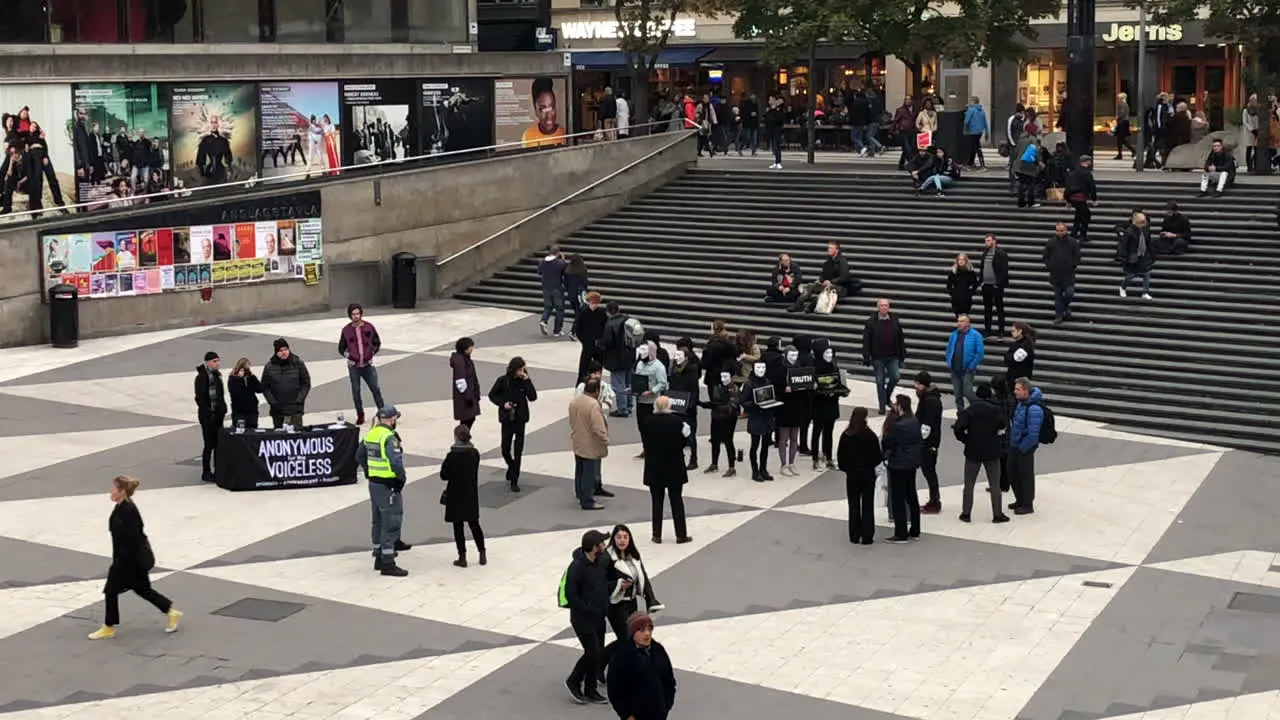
593	185
273	180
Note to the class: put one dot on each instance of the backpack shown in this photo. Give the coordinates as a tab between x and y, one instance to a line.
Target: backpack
562	597
1048	427
1122	243
632	333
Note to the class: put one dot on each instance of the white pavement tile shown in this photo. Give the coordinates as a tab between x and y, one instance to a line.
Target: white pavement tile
522	573
388	691
25	453
410	332
186	525
1255	706
978	652
1245	566
23	361
427	427
27	607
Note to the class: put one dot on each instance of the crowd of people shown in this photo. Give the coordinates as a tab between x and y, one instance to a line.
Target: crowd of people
27	166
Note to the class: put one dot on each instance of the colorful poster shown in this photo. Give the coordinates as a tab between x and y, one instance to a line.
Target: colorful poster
164	246
168	277
206	277
182	245
103	249
301	131
112	284
287	235
84	284
258	270
457	115
214	133
180	276
120	131
148	253
97	285
244	243
265	240
39	114
124	284
379	122
223	236
126	250
154	281
80	251
57	257
529	112
220	272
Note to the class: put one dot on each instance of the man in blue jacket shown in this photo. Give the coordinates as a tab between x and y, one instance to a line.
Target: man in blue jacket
551	274
965	351
1024	438
975	126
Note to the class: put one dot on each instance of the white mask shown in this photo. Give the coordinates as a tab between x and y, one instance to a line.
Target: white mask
642	352
726	378
678	357
793	356
758	369
828	354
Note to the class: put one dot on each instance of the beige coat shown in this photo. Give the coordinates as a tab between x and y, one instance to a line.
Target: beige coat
588	429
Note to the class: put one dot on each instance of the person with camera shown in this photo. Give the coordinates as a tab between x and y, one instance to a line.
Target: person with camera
512	393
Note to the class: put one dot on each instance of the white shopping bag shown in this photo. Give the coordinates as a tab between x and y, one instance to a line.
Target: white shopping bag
882	487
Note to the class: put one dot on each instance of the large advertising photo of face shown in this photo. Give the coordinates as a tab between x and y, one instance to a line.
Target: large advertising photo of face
120	136
378	123
457	115
529	112
37	171
301	129
214	133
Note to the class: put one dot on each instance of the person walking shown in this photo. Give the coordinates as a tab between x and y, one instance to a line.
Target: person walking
618	357
975	126
382	459
929	413
551	275
466	385
993	274
1081	193
588	325
884	348
1024	439
1137	255
962	283
642	684
828	389
903	447
285	386
577	280
663	436
131	562
243	387
358	343
859	455
632	590
965	353
512	393
685	376
759	422
1061	257
1020	358
461	497
981	429
586	592
724	402
589	437
211	409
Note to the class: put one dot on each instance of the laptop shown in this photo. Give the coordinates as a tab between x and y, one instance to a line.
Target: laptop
639	384
763	397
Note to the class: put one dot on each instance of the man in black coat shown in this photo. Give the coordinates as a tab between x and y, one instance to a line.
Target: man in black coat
285	386
1175	232
642	683
993	277
1061	258
664	436
884	348
586	589
589	324
929	413
684	376
211	409
981	428
617	357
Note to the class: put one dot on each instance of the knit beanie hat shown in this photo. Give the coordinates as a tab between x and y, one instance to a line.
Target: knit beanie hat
637	622
280	343
211	355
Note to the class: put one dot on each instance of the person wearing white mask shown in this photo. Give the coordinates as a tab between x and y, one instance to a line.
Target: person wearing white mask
685	376
724	403
793	414
647	364
827	391
759	422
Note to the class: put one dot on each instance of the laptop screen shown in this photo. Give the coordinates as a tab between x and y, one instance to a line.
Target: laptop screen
763	394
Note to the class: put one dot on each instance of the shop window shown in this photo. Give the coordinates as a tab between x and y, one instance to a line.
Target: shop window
437	21
301	21
1042	85
231	21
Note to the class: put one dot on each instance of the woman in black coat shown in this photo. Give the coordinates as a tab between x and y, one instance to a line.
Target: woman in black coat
827	392
665	472
642	683
512	393
793	415
859	456
131	561
461	497
962	283
244	388
1020	358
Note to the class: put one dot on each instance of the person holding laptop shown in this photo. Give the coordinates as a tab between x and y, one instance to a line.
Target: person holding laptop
760	402
648	381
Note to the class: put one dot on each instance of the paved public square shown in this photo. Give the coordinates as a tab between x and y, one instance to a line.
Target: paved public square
1146	585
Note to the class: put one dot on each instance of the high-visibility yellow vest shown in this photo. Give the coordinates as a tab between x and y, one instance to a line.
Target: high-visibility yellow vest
375	445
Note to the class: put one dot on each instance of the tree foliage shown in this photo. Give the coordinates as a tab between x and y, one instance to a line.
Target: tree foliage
1255	24
645	26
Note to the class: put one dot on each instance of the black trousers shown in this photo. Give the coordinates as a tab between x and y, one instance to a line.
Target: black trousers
586	673
513	449
804	435
691	419
210	424
147	593
676	492
1022	477
776	295
460	539
993	303
822	438
759	453
279	420
904	503
1080	224
929	468
585	356
861	492
722	430
1028	186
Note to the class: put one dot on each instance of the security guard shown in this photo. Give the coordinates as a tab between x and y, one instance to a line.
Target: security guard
383	461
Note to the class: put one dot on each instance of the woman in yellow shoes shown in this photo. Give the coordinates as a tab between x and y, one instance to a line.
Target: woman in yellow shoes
131	560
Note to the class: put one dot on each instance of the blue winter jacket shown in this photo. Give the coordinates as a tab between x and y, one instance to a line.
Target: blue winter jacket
974	349
1028	416
975	120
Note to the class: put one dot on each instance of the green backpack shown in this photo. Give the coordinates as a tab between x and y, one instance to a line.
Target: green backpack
561	596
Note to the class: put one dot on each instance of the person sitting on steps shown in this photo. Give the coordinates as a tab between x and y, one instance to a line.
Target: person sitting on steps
1219	167
835	274
784	282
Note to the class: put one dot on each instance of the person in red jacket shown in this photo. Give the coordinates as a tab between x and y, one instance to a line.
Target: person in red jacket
689	110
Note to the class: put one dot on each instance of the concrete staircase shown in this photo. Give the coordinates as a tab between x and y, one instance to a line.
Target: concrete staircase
1200	362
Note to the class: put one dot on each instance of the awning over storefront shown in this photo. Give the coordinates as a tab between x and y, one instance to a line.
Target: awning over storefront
617	60
754	52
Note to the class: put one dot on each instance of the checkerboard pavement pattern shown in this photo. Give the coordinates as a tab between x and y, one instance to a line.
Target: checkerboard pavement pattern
1147	585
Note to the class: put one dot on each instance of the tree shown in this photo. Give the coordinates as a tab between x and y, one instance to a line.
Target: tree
644	28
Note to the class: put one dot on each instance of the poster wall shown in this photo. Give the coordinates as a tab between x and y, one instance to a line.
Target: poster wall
120	139
378	121
529	112
301	129
457	114
40	116
214	133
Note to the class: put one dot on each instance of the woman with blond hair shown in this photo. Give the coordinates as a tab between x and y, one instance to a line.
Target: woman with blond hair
962	282
131	561
1122	129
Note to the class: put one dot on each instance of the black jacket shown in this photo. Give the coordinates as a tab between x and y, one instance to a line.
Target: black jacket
642	684
614	351
859	454
980	428
1138	255
836	270
1220	162
775	278
929	413
1061	258
774	119
723	401
662	436
587	587
517	391
131	556
903	446
717	356
686	378
961	284
826	399
875	344
1000	258
207	404
1080	182
1024	368
285	384
461	471
244	394
591	325
1178	224
796	405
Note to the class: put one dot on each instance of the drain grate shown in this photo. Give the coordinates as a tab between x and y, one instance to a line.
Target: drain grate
260	609
1095	584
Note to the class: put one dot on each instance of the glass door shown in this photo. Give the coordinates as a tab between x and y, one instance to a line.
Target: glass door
1202	85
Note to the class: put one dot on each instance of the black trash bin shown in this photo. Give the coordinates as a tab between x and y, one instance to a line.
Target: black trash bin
404	280
64	316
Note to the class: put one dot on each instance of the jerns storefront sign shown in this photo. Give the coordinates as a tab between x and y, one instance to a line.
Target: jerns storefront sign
1123	33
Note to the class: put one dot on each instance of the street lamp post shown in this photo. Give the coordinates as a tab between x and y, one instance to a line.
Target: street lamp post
1081	37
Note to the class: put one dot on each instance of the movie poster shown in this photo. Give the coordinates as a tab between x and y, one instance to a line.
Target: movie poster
301	129
40	114
529	112
120	131
214	133
378	121
457	115
200	244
